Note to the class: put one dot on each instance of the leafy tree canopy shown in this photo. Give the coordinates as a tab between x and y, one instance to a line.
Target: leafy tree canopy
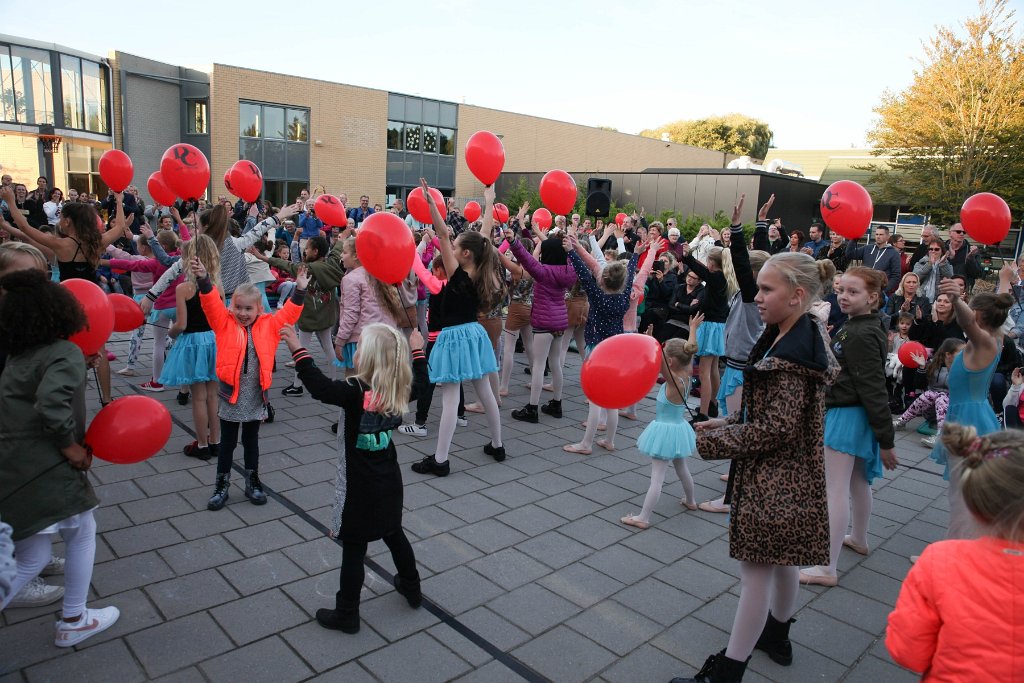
732	133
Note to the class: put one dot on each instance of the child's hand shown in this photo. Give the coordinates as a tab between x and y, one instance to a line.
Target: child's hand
145	231
416	340
302	277
710	424
919	359
198	269
509	235
889	459
290	339
649	331
695	320
1017	377
79	456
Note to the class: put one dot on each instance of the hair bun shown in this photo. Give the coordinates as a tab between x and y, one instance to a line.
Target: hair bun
690	347
963	441
1004	302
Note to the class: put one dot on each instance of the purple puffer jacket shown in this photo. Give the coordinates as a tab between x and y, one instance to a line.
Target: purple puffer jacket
550	285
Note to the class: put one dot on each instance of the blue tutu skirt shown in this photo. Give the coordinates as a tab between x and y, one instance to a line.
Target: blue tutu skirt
847	430
163	316
732	380
667	440
711	339
350	356
461	352
977	414
192	359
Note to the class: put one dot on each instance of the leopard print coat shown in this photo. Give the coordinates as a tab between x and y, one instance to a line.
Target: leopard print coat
779	509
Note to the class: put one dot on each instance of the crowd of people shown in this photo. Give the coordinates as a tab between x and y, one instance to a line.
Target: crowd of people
791	347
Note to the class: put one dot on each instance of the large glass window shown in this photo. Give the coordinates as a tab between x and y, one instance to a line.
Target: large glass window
420	142
412	138
273	122
298	125
249	117
430	139
276	138
27	91
84	89
446	142
197	117
395	133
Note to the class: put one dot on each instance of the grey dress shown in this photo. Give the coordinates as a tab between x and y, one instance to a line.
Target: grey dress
251	405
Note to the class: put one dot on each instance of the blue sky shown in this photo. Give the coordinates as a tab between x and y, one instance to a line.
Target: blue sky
812	70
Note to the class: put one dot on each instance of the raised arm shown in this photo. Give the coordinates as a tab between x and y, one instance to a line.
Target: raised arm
441	228
52	242
984	348
595	251
488	217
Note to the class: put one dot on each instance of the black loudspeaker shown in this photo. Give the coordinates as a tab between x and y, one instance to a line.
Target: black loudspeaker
599	197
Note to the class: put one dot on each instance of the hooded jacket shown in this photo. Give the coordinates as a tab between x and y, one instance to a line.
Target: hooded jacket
885	259
861	347
551	282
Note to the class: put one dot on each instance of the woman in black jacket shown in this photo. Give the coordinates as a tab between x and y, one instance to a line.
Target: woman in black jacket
661	286
686	301
908	299
834	251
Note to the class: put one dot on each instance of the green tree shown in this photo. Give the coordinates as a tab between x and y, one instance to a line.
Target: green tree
732	133
958	129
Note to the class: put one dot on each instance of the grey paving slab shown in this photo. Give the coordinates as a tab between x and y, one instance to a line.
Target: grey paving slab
489	535
257	616
131	572
509	568
533	608
203	553
179	643
554	549
322	649
110	661
261	572
190	593
268	661
460	589
563	655
614	626
394	664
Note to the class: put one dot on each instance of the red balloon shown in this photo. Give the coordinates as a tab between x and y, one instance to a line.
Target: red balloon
116	169
384	246
558	191
500	213
620	218
330	210
185	170
621	370
158	189
472	211
246	180
127	314
227	180
129	429
541	218
846	207
419	208
99	315
485	156
908	348
986	217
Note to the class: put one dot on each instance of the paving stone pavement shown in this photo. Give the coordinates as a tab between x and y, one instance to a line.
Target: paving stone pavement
528	573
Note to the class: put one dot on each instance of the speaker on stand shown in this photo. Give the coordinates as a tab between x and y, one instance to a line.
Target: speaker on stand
599	197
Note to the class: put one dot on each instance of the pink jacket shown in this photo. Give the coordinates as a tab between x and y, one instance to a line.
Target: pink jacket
960	614
155	269
629	321
141	280
359	307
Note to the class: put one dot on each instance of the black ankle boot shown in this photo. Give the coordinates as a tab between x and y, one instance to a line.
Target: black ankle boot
344	617
774	641
552	408
527	413
429	465
718	669
220	492
254	489
410	588
496	452
713	409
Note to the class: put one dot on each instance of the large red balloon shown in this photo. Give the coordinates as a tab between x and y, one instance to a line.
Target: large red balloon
500	213
471	212
99	315
541	218
908	348
986	218
620	218
129	429
330	210
846	207
558	191
385	247
185	170
621	370
485	156
246	180
128	315
158	189
116	170
419	208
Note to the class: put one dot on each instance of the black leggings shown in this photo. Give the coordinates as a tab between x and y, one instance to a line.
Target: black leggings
353	572
229	439
426	397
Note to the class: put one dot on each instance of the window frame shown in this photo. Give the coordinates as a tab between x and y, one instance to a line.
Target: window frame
191	106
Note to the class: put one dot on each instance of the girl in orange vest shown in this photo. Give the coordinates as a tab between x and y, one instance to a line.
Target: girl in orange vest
247	340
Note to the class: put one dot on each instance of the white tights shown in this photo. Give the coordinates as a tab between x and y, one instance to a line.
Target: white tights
508	353
450	409
567	337
324	337
844	479
762	587
34	552
160	328
605	416
658	470
545	348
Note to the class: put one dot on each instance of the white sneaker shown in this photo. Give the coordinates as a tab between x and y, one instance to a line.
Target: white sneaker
93	621
462	422
414	429
899	425
928	441
54	567
37	593
127	372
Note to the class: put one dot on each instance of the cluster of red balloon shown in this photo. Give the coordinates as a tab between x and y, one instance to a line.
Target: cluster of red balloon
244	180
621	370
184	172
131	428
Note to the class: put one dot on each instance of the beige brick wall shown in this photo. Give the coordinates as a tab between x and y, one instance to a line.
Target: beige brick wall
351	123
534	144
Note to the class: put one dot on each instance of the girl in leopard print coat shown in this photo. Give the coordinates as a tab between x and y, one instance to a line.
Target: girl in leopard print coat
779	510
